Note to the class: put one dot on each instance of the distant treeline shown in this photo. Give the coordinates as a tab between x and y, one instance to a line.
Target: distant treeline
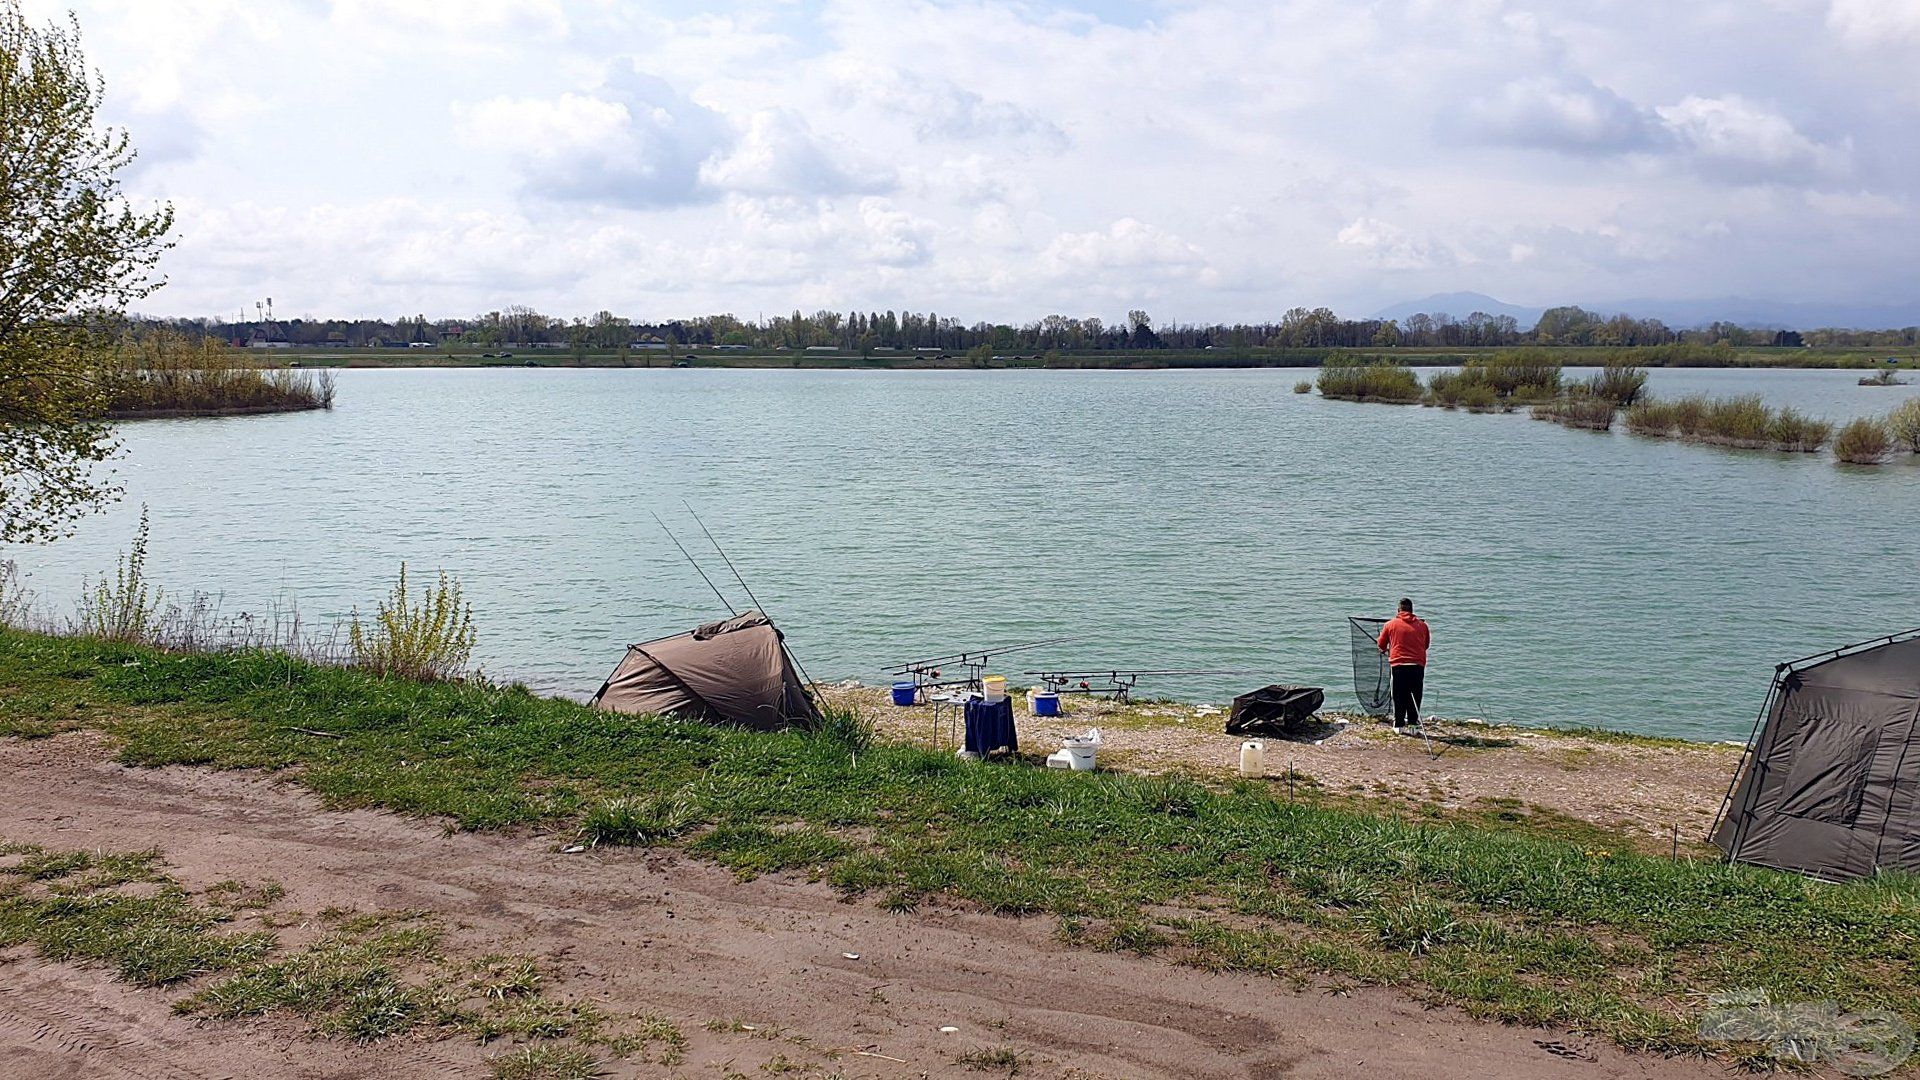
876	331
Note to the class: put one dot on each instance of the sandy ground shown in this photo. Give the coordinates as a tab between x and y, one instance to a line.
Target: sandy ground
1643	788
666	935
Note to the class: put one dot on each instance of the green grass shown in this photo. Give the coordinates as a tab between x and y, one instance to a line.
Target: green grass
1000	1059
544	1063
72	906
1504	922
366	977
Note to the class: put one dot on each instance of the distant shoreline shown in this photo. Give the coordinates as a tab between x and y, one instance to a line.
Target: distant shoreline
1852	359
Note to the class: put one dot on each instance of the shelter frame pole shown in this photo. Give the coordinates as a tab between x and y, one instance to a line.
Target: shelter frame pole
1750	754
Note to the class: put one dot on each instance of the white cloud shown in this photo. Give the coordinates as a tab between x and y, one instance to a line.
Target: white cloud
1128	247
634	143
779	154
1876	23
468	25
1739	139
1858	204
943	109
1390	247
1561	113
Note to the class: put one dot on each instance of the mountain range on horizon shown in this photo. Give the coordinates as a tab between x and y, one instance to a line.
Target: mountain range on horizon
1683	314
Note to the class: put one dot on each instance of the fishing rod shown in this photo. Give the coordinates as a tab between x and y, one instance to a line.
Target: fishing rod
723	558
696	565
748	588
1120	682
928	675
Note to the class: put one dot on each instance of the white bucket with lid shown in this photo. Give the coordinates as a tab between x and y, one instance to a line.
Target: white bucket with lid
994	688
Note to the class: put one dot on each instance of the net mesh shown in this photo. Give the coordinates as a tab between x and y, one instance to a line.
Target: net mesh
1372	682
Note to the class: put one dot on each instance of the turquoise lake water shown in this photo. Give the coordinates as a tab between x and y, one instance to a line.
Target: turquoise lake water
1159	519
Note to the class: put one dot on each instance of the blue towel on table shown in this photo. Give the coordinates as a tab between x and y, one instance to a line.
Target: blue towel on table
990	727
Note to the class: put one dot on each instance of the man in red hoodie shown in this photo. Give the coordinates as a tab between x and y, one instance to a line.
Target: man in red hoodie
1404	639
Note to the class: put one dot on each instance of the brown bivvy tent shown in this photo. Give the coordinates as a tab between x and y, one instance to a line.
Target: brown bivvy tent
1831	784
735	671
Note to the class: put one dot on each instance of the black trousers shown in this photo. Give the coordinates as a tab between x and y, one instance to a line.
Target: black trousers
1409	680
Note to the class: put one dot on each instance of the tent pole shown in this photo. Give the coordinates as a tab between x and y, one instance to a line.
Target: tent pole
1749	754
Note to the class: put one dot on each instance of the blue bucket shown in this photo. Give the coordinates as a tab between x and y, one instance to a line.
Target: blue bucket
904	693
1046	703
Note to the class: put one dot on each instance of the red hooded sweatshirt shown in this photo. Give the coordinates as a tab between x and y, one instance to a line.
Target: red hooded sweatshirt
1405	639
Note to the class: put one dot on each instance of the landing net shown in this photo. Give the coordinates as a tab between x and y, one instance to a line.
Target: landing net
1372	681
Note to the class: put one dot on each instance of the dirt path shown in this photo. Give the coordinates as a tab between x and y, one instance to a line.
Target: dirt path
670	936
1645	788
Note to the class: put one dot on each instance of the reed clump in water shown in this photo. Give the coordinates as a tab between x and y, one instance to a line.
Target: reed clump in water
1866	441
1369	380
1499	381
1904	424
1577	410
1621	384
170	374
1592	402
1794	431
1744	421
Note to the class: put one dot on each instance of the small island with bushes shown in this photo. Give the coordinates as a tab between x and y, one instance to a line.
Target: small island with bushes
168	375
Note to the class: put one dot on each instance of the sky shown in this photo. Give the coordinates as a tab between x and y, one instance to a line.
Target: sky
1005	161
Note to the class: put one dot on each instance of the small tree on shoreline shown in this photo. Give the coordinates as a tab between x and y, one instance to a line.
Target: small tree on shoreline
71	250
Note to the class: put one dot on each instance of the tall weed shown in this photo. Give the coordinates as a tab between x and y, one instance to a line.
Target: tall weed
125	607
429	638
16	600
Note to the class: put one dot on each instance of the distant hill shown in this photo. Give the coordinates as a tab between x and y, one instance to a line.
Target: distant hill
1685	314
1460	305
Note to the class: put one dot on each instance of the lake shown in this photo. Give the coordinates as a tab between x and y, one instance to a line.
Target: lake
1159	519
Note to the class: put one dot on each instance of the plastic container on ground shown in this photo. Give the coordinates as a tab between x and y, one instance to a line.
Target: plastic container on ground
904	693
1253	759
1044	703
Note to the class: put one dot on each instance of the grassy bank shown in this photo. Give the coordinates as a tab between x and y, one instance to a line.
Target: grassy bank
1503	923
169	375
